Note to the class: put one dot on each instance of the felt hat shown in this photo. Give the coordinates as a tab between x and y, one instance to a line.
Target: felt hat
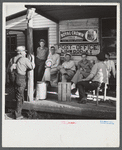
20	49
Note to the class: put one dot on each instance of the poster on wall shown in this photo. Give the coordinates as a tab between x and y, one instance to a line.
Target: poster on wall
79	36
78	49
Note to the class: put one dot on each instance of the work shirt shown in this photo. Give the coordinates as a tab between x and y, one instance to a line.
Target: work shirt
99	71
85	65
55	59
23	64
42	53
13	60
69	65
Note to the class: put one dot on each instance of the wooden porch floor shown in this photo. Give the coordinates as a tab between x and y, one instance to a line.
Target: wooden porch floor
105	110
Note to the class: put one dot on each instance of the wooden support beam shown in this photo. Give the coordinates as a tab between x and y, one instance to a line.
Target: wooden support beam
30	85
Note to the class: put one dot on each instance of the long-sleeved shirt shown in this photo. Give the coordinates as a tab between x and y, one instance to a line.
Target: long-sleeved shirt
55	59
42	53
69	65
23	64
85	65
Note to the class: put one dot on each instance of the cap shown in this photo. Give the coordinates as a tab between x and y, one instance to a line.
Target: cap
20	49
84	53
42	40
68	54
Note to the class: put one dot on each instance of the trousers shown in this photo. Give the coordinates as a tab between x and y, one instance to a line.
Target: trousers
20	85
39	69
83	86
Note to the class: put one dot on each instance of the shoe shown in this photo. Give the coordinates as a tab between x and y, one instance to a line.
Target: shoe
83	101
73	86
19	118
48	83
77	93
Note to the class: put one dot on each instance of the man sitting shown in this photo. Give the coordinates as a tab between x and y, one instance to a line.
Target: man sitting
52	64
67	69
98	75
84	68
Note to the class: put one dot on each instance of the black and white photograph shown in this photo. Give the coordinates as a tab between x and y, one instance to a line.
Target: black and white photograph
61	71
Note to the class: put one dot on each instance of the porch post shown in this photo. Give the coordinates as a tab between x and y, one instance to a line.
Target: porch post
30	84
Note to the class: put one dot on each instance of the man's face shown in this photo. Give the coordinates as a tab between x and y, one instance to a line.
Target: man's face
42	44
52	51
67	58
23	53
83	57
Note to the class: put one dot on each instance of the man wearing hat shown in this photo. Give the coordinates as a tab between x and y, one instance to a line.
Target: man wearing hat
98	75
22	66
67	69
84	68
41	57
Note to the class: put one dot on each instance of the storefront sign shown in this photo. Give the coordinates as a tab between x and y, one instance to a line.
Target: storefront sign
79	36
78	49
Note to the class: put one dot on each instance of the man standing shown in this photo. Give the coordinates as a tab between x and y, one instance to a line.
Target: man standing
41	57
52	64
22	66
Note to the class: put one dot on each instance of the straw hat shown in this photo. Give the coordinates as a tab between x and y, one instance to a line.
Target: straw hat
20	49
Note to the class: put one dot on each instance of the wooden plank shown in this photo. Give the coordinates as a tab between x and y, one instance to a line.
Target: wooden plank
68	92
92	111
30	86
59	91
63	91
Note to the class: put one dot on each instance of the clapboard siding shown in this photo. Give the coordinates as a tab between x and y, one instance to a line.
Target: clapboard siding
41	22
17	23
20	38
79	24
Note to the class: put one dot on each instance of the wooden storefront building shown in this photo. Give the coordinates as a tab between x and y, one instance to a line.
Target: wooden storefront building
67	27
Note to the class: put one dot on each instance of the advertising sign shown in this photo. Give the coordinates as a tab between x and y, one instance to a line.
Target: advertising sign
78	49
79	36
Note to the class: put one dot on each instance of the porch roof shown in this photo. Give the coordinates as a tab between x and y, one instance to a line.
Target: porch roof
57	13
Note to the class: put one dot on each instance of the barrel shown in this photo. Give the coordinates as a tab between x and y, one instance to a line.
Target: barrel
41	90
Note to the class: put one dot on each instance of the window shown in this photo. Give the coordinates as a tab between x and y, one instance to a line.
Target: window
11	44
109	36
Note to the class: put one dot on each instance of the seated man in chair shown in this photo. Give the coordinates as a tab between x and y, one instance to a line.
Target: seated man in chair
51	70
84	68
98	75
67	70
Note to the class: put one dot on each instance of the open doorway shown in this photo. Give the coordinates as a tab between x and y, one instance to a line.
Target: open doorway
37	35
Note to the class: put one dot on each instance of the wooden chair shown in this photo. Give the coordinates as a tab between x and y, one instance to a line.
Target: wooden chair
97	93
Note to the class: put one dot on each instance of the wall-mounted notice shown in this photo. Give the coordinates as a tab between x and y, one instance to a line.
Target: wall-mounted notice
79	36
78	49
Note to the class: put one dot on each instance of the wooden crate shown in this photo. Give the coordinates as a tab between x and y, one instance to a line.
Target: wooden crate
64	91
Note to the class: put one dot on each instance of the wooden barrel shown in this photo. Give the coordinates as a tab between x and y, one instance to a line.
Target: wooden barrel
41	90
64	91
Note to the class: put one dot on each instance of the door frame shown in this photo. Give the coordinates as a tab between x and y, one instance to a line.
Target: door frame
47	28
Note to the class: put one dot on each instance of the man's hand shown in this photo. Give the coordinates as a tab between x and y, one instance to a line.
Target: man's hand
84	80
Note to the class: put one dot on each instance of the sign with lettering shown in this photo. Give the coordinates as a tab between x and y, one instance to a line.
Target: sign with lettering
78	49
79	36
